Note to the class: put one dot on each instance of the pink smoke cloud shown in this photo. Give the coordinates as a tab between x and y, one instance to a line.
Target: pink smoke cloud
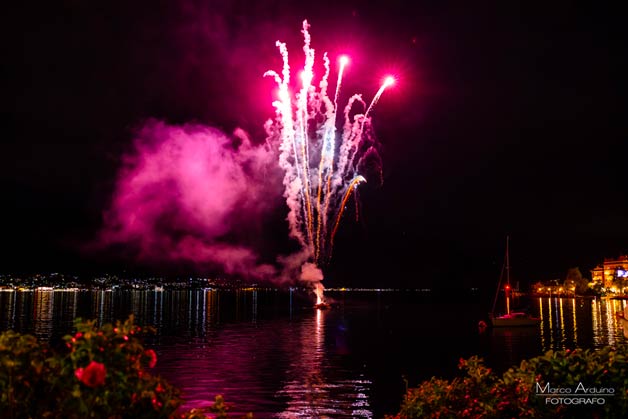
192	194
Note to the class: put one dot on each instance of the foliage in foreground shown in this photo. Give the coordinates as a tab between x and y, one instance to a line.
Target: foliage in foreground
481	393
102	373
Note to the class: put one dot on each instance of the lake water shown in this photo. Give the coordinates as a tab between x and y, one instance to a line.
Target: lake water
271	353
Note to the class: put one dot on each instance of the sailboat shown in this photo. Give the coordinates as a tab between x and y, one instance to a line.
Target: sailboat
510	318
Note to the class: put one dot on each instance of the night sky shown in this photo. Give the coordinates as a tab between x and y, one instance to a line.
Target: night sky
508	118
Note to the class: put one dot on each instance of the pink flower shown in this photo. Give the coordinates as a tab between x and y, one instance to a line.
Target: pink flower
92	375
152	357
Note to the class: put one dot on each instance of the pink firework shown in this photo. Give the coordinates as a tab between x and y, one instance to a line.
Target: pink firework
321	162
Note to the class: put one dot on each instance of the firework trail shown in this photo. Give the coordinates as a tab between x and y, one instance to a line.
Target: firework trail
321	165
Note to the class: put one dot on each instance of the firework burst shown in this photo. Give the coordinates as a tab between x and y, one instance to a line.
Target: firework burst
321	162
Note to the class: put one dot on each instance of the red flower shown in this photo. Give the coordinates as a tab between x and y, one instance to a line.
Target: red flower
152	357
92	375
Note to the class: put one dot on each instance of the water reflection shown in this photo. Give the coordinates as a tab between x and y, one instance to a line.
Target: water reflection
566	323
41	312
512	344
7	303
309	390
272	354
304	390
570	323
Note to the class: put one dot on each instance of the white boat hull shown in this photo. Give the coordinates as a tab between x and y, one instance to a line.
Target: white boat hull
515	320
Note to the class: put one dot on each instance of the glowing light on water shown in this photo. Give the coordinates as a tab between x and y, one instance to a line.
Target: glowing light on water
322	164
318	291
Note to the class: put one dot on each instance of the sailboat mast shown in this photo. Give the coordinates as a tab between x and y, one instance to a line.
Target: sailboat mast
507	261
507	275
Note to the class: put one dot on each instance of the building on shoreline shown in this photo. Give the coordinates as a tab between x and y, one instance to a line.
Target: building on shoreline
553	288
611	272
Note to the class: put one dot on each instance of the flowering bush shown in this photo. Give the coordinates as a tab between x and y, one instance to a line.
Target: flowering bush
102	373
93	375
532	390
23	369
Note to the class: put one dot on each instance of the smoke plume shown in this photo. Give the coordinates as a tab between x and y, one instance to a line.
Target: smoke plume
191	194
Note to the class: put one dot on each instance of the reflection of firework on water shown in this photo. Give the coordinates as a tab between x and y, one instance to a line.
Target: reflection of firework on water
321	165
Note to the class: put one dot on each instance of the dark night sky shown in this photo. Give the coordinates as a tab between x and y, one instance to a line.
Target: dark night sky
507	118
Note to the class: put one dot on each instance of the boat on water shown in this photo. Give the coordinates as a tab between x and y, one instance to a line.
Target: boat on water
515	318
509	318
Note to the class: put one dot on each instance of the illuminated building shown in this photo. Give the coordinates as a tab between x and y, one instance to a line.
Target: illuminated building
610	271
